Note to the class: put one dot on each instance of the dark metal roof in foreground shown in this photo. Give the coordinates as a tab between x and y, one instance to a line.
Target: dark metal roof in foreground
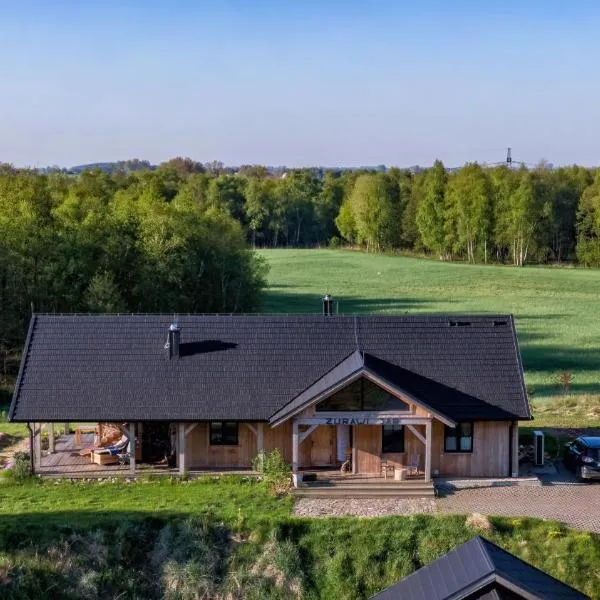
248	367
479	569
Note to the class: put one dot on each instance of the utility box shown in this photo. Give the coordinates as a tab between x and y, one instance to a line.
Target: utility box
538	448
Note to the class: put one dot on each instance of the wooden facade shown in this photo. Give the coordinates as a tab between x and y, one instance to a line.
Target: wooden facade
309	439
489	458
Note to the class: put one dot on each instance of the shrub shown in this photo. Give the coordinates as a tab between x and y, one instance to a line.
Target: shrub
21	468
274	470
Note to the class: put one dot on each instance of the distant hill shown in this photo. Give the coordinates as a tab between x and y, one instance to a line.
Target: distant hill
127	166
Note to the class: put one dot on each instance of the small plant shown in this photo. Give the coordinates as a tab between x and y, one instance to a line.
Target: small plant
21	468
563	381
274	470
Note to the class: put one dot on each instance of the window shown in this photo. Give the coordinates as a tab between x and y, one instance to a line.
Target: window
223	433
459	438
362	394
392	438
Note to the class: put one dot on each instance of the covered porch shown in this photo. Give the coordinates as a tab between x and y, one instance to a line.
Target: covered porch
71	450
359	444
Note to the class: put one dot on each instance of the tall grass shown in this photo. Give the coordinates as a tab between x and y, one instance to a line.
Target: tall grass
63	540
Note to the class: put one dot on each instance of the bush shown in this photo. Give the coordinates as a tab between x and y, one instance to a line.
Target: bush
274	470
21	468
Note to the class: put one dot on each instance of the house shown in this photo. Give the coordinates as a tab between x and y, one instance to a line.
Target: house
479	570
212	391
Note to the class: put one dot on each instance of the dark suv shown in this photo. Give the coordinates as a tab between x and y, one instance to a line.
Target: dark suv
583	457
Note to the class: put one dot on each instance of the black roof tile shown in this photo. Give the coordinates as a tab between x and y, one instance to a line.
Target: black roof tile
247	367
479	569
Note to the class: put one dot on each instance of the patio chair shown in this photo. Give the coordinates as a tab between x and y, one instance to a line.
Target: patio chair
412	465
347	464
385	467
110	454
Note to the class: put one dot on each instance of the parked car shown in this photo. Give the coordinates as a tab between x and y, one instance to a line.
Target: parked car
583	457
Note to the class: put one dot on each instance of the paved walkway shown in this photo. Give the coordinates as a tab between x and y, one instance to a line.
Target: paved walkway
560	498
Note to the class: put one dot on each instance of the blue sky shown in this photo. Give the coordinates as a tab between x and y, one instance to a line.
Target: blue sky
312	82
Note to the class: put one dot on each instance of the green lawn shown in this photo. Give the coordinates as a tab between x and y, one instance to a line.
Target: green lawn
556	309
232	539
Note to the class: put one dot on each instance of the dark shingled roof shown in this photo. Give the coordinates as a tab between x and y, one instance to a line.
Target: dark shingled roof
247	367
479	569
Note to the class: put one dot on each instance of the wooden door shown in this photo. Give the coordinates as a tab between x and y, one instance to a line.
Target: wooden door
322	446
367	441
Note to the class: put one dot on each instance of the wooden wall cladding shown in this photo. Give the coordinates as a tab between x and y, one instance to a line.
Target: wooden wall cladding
488	459
201	455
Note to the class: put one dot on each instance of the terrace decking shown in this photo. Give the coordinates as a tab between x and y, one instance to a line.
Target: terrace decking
66	461
333	484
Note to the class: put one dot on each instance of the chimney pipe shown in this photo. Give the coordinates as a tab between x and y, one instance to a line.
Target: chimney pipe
174	339
328	304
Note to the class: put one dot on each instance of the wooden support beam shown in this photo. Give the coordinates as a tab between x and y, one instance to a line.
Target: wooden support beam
189	428
51	447
251	428
260	444
295	445
354	452
306	433
428	451
515	449
416	434
131	448
181	449
37	442
67	428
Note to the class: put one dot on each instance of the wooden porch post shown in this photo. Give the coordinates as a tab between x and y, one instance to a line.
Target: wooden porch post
295	447
260	442
37	434
515	449
67	428
354	452
428	451
131	448
51	438
181	448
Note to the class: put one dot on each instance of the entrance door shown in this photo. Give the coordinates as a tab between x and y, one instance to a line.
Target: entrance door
322	450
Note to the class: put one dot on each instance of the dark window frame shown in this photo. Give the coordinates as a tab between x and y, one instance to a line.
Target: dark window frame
394	427
456	433
224	442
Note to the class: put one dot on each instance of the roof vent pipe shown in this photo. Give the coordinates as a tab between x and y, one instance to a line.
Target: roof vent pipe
174	339
328	305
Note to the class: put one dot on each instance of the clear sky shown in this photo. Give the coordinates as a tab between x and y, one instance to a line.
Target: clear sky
299	82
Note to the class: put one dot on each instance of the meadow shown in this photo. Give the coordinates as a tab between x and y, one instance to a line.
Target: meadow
556	309
230	538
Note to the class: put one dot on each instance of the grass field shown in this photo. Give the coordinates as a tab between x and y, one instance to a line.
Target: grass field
557	310
232	539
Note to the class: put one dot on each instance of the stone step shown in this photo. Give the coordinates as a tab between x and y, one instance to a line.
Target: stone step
358	492
340	493
410	483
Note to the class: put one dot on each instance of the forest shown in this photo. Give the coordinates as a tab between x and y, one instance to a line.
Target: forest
179	237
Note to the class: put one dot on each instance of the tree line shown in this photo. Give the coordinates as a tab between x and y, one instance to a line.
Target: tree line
177	238
97	242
